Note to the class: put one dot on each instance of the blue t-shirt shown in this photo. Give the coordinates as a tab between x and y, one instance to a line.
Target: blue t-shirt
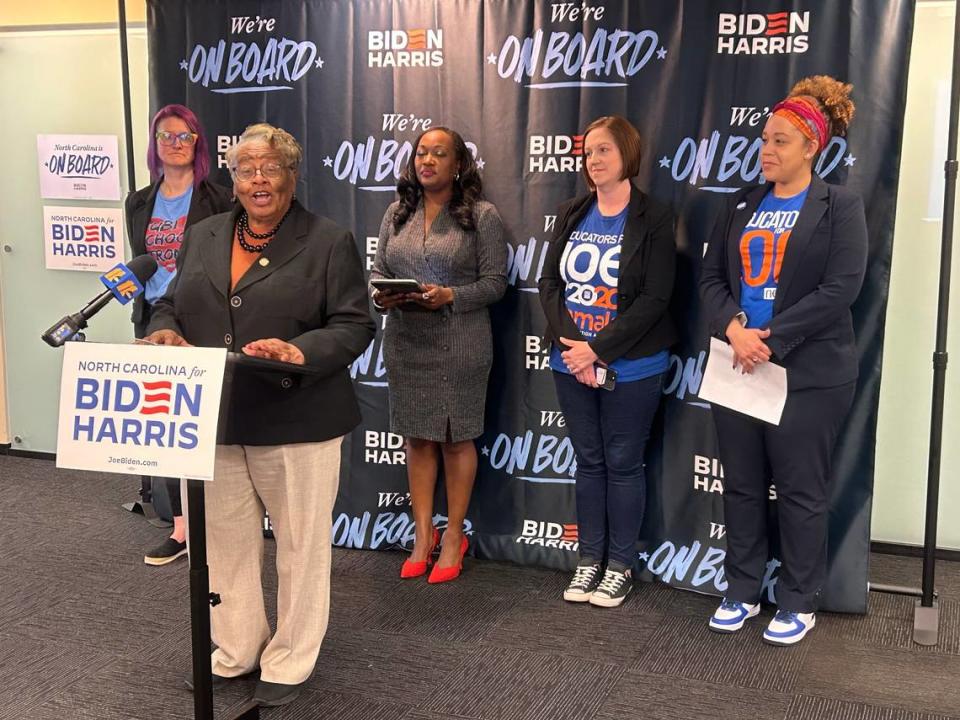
590	267
163	239
762	247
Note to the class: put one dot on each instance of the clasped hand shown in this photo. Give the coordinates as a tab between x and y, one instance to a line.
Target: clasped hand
579	360
749	348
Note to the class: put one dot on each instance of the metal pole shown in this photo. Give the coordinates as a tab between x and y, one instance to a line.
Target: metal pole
125	74
199	602
895	589
926	616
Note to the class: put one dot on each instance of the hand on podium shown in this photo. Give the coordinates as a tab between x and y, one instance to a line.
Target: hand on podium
165	337
274	349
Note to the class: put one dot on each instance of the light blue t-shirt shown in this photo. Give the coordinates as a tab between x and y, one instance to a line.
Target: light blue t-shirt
590	267
763	244
163	239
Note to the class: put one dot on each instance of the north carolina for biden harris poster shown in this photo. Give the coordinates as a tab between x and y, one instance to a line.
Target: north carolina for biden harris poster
140	409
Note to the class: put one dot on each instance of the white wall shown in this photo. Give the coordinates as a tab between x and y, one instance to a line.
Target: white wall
4	422
55	81
904	421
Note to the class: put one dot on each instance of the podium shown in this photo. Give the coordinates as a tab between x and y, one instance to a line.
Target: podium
103	388
201	597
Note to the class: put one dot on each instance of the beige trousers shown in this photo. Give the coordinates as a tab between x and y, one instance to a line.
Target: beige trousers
297	485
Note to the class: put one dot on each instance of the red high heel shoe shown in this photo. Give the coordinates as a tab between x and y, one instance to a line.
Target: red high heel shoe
439	574
412	569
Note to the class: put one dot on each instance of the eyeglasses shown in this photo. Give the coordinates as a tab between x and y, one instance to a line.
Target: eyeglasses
165	137
270	170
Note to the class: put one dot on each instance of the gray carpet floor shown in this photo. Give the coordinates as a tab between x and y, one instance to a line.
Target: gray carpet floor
88	631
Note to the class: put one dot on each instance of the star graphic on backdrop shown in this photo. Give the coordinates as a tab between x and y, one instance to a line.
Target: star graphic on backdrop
644	556
480	163
849	160
491	59
46	164
183	64
664	161
319	63
485	450
328	161
661	53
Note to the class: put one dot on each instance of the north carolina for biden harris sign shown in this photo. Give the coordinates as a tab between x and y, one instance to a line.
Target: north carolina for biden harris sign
140	409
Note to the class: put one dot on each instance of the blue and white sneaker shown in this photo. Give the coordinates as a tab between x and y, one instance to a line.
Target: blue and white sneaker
731	615
788	628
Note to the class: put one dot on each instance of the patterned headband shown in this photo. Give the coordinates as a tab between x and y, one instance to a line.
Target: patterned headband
806	117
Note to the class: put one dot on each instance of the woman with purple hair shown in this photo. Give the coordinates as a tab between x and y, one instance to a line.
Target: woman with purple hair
157	216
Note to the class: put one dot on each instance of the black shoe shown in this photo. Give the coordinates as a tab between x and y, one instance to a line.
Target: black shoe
218	681
165	553
584	583
270	694
614	588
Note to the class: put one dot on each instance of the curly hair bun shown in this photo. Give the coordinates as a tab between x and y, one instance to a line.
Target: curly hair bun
834	99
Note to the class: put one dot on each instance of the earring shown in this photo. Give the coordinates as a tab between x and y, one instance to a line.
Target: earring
457	177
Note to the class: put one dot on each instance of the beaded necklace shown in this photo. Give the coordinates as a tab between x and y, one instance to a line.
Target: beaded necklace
243	229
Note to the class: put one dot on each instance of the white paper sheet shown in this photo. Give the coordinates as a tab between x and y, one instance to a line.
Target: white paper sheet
760	394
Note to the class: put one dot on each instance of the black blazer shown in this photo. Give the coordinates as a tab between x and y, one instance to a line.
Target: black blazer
310	293
811	333
207	199
648	260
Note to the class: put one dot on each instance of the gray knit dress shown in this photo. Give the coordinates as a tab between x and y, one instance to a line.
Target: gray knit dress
438	361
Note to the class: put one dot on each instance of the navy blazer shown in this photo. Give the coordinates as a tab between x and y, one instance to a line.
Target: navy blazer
811	333
307	289
208	199
648	262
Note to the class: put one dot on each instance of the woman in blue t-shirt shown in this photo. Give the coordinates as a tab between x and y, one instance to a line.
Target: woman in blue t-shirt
157	216
782	268
605	288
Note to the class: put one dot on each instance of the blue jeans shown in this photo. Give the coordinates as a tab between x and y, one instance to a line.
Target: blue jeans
609	432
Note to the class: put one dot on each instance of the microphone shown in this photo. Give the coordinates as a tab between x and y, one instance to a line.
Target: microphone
124	282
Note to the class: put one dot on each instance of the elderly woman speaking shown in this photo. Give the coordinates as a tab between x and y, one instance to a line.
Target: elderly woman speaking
274	281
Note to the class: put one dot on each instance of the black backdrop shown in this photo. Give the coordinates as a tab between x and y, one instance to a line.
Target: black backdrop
356	82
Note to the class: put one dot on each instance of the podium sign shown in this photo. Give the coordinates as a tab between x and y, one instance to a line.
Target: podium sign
140	409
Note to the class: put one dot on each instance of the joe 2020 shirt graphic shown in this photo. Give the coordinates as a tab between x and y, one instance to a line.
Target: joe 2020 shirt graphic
763	244
590	268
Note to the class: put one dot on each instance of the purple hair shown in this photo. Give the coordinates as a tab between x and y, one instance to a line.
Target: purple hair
201	157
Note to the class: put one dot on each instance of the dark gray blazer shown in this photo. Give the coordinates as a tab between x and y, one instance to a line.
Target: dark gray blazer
310	293
208	199
823	268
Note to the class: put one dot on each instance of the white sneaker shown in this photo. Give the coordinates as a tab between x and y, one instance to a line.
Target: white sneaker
788	628
731	616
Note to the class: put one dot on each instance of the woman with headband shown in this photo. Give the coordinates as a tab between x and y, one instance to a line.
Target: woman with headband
783	266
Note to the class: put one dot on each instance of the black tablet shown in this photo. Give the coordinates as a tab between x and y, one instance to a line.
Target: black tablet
396	285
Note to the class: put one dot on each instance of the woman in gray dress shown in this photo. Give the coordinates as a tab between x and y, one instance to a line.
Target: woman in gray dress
437	342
